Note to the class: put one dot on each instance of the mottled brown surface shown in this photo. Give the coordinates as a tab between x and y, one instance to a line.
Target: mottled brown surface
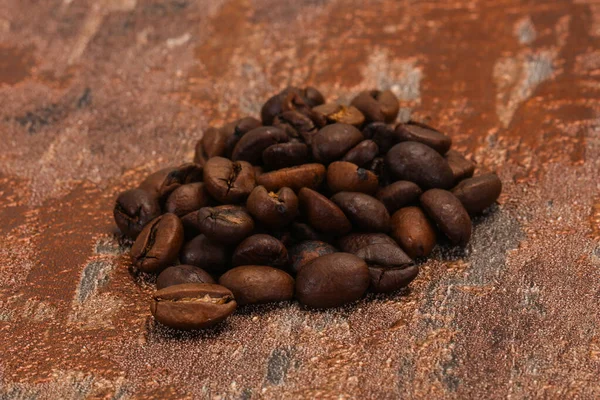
95	94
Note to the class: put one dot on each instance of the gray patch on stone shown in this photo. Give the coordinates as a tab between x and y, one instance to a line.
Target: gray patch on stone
404	114
18	392
94	275
82	387
121	394
525	31
278	365
109	246
246	394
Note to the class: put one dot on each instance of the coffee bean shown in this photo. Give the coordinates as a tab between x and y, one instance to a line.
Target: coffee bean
417	132
258	284
449	215
301	232
363	153
228	181
283	155
413	231
296	125
260	250
192	305
202	252
252	144
226	224
379	168
273	106
322	214
134	208
182	175
290	99
187	198
158	244
332	281
399	194
478	193
333	141
306	251
335	113
460	166
382	134
419	163
307	175
258	170
312	96
235	130
366	212
355	241
273	209
343	176
154	181
214	142
390	268
377	106
181	274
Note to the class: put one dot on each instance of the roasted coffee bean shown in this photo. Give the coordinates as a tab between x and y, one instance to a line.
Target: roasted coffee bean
134	208
377	106
154	181
289	99
182	175
306	251
332	280
312	96
366	212
158	244
260	250
343	176
413	231
234	131
180	274
229	181
382	134
296	125
389	267
202	252
449	214
333	141
363	153
322	214
275	210
226	224
192	305
355	241
214	142
251	146
307	175
258	284
301	232
379	168
187	198
258	171
283	155
399	194
478	193
334	113
460	166
419	163
417	132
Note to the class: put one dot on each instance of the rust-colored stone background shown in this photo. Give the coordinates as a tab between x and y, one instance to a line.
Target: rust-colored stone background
96	93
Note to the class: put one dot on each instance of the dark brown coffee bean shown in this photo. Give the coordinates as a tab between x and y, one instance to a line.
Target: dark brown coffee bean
332	281
363	153
399	194
235	130
417	132
226	224
182	175
260	250
343	176
158	244
413	231
377	106
449	215
419	163
187	198
306	251
312	96
275	210
180	274
307	175
478	193
333	141
253	143
283	155
202	252
301	232
335	113
322	214
290	99
134	208
192	305
382	134
296	125
379	168
366	212
229	181
214	142
154	181
389	267
460	166
258	284
355	241
258	170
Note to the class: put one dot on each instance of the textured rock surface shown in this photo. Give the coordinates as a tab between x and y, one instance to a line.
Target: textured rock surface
95	94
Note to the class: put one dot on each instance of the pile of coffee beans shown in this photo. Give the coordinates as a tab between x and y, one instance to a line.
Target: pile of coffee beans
315	201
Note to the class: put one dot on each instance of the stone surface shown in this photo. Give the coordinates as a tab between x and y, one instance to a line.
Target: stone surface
96	94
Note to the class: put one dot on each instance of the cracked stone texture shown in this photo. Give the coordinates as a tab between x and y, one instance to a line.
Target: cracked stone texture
94	94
